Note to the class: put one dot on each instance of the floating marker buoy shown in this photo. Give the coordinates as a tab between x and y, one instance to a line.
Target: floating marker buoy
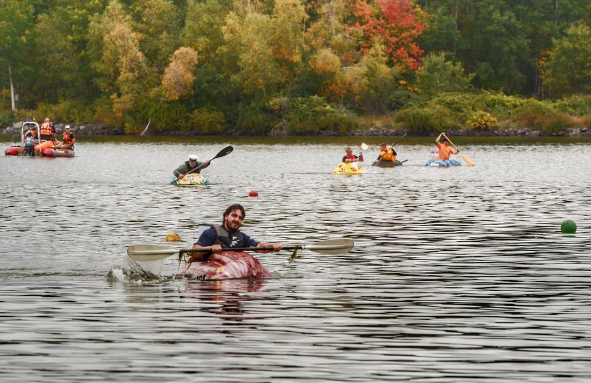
253	193
568	227
173	237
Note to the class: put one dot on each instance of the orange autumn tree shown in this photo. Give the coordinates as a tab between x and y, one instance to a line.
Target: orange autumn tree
395	24
179	76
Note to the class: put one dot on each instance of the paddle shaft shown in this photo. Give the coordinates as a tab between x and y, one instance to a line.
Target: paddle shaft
452	144
224	152
465	157
397	141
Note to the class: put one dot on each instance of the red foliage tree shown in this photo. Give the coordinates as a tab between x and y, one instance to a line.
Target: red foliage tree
395	24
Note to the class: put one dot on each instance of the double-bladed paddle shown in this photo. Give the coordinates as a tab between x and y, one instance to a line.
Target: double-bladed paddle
224	152
145	253
392	147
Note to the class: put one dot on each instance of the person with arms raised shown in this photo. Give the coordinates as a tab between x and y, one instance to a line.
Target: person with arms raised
444	149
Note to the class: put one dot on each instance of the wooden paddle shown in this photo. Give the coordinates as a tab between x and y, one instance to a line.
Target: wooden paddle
465	157
224	152
145	253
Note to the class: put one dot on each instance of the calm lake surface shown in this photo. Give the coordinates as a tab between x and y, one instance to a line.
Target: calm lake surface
457	275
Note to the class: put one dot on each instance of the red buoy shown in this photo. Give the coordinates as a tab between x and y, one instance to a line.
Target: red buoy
253	193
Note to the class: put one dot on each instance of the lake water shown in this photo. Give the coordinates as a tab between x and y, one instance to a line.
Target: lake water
457	275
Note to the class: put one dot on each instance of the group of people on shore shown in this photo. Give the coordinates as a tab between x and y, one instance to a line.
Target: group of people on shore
47	134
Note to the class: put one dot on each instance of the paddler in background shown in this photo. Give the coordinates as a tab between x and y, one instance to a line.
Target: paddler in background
387	153
350	157
444	149
227	236
191	166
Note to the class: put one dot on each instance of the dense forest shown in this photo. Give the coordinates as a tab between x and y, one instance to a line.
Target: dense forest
297	66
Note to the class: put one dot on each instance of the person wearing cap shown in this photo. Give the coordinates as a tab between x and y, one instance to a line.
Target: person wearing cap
191	166
68	138
444	149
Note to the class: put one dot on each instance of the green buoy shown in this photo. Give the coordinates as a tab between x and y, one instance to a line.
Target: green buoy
568	227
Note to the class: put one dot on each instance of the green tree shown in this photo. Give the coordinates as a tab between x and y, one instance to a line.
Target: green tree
569	66
437	75
158	24
258	74
16	23
120	65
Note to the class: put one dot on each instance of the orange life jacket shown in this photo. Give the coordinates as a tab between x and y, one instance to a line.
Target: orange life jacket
45	145
388	155
46	129
67	138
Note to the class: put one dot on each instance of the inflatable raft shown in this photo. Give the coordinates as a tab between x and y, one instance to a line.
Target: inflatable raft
192	179
226	265
387	164
348	168
443	163
53	152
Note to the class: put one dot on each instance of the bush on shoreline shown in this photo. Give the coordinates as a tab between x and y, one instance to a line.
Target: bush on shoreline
464	113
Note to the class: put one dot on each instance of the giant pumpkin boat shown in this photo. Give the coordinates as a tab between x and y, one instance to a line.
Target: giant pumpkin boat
225	265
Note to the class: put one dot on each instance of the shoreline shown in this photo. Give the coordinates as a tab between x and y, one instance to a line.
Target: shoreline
101	130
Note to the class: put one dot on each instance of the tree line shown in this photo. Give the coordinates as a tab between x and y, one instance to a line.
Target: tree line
297	66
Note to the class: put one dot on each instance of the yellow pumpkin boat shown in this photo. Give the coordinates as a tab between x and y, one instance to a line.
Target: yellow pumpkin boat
348	169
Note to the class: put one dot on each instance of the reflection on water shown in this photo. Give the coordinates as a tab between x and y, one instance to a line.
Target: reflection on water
457	274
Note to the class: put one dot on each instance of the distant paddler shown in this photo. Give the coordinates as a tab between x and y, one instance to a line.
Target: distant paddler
191	166
387	153
444	149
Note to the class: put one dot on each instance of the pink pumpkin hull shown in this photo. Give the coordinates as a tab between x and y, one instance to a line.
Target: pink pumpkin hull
227	265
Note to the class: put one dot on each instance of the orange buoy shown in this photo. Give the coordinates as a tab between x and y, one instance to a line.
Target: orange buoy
253	193
173	237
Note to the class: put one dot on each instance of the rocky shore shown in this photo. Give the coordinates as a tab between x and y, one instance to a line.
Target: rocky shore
99	130
83	130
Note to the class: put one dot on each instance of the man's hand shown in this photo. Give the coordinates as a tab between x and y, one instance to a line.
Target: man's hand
276	247
181	176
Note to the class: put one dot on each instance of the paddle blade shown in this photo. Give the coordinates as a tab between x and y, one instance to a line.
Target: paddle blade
467	160
332	246
148	253
224	152
364	146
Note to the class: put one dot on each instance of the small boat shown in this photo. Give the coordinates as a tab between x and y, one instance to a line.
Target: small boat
348	168
42	148
192	179
442	163
387	164
226	265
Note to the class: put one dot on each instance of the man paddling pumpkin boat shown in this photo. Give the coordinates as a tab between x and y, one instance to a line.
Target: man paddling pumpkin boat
444	149
191	166
350	157
227	236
